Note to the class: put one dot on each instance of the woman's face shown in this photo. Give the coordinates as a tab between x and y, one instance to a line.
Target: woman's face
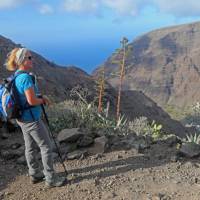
27	63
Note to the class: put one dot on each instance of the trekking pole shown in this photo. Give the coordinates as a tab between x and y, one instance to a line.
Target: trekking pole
47	120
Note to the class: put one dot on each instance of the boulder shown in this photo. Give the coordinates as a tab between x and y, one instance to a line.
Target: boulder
190	149
4	136
139	143
20	151
15	146
67	147
7	155
76	154
21	160
172	140
69	135
85	141
99	146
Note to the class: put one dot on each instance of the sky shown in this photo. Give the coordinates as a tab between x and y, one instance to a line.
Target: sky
85	33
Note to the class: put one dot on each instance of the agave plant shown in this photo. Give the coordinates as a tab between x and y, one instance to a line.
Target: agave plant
121	122
193	138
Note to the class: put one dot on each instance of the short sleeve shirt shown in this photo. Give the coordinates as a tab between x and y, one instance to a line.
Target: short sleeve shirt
23	82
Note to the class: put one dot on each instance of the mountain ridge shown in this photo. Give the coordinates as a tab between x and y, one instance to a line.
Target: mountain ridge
163	63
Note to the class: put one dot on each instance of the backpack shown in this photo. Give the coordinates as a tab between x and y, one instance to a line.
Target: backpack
9	100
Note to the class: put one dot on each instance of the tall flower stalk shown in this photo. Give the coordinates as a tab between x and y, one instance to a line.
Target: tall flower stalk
101	89
122	73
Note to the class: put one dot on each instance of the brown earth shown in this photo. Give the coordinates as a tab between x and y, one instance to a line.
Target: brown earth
164	64
120	174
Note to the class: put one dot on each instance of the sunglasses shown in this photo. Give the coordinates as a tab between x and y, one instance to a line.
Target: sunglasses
29	57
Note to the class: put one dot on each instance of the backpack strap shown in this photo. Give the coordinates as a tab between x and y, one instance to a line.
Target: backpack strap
17	73
26	106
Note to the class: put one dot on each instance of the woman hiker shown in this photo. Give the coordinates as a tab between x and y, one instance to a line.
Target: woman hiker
33	128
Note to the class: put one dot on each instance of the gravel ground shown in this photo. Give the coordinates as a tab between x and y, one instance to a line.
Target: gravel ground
154	174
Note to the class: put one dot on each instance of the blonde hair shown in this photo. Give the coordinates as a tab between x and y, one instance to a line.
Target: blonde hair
11	64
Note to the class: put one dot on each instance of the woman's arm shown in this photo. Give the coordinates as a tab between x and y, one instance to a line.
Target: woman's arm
32	99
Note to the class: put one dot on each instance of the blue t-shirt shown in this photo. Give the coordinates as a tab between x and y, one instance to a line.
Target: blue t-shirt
23	82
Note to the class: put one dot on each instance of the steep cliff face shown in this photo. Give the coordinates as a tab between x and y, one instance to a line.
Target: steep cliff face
164	64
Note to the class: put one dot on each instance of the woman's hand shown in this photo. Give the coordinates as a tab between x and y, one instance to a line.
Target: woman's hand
46	100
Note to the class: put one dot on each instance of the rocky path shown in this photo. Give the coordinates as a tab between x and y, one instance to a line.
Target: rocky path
154	174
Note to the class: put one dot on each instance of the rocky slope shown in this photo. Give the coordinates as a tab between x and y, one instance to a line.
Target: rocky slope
57	81
153	173
164	64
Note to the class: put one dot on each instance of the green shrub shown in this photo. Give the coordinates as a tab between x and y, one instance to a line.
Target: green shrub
61	117
90	118
141	126
155	130
80	113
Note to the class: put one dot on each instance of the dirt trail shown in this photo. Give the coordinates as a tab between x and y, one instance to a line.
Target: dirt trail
120	175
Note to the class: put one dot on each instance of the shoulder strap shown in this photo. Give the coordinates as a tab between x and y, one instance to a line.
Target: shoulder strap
18	73
24	72
26	106
15	75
